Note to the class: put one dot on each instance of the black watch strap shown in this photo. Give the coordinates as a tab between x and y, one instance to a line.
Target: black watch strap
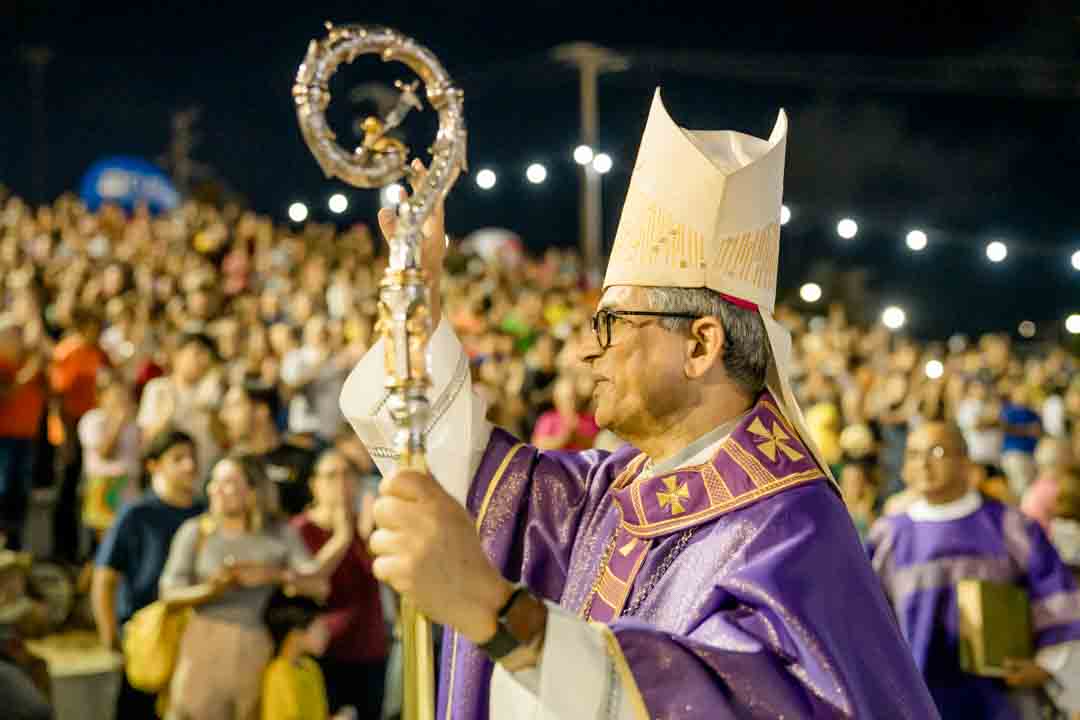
503	642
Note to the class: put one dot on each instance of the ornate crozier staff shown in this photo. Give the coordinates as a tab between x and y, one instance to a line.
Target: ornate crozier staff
404	317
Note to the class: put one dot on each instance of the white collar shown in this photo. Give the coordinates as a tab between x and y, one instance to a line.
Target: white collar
962	507
700	451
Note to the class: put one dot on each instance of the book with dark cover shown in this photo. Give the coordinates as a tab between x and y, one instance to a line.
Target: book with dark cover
995	624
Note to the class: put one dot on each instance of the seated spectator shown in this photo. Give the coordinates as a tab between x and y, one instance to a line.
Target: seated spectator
186	398
567	426
228	577
247	415
133	552
860	480
112	466
823	423
1052	456
314	375
355	662
860	493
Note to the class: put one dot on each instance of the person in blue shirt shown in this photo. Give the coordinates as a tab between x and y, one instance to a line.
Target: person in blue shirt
1022	428
133	552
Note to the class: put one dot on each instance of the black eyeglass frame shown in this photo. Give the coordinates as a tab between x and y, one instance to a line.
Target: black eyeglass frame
934	452
608	316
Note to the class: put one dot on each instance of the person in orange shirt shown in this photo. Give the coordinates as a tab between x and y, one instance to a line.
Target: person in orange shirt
22	402
73	379
75	364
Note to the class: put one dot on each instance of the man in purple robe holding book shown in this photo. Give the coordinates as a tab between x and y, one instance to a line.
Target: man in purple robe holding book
953	533
706	570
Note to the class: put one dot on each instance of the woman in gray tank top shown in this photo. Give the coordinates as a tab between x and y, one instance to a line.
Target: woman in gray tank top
226	564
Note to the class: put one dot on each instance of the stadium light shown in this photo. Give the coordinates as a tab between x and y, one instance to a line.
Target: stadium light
392	195
785	214
916	240
893	317
536	173
602	163
934	369
810	292
338	203
485	179
847	228
1076	260
298	212
997	251
583	154
1072	324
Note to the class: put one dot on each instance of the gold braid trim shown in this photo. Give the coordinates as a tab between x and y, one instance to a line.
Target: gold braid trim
490	492
479	521
629	684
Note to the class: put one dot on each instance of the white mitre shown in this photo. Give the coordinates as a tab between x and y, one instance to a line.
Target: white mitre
703	210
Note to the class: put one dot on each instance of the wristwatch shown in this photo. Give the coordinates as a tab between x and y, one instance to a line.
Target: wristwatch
520	623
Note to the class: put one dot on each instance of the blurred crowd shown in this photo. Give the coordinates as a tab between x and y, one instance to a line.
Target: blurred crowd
156	371
865	390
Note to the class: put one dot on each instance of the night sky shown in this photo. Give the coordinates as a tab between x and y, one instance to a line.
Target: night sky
959	118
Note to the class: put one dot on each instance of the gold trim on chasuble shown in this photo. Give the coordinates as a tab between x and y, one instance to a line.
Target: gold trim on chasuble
479	521
622	667
627	552
762	456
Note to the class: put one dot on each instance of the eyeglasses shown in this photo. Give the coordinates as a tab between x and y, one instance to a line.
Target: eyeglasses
601	322
936	453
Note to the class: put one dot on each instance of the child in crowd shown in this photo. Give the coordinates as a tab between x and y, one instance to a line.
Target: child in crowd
112	462
293	685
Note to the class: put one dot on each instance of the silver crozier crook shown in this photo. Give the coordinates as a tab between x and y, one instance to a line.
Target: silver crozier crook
405	321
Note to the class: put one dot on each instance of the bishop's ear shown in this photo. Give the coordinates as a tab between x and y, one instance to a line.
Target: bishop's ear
704	346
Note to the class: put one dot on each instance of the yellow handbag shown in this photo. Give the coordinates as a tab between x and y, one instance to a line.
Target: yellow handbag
151	644
151	640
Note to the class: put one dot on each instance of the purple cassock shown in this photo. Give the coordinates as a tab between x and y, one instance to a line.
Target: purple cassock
737	588
920	562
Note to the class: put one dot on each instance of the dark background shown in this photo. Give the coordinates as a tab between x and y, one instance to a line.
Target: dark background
957	118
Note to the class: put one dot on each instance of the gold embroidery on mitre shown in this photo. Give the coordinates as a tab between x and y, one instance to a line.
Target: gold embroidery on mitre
676	493
652	237
751	256
656	238
777	439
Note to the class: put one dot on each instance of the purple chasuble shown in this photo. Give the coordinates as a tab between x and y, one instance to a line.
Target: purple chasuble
920	562
735	589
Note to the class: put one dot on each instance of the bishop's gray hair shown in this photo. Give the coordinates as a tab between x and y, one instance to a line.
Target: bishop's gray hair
746	346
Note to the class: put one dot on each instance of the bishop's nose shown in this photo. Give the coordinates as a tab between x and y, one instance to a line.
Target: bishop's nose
590	349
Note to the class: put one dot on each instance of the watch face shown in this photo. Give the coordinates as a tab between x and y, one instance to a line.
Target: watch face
501	644
516	624
523	617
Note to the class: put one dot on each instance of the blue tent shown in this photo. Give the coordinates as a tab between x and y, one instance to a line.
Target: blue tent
128	182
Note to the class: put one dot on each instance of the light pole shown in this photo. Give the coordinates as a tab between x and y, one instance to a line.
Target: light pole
590	60
183	168
37	58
